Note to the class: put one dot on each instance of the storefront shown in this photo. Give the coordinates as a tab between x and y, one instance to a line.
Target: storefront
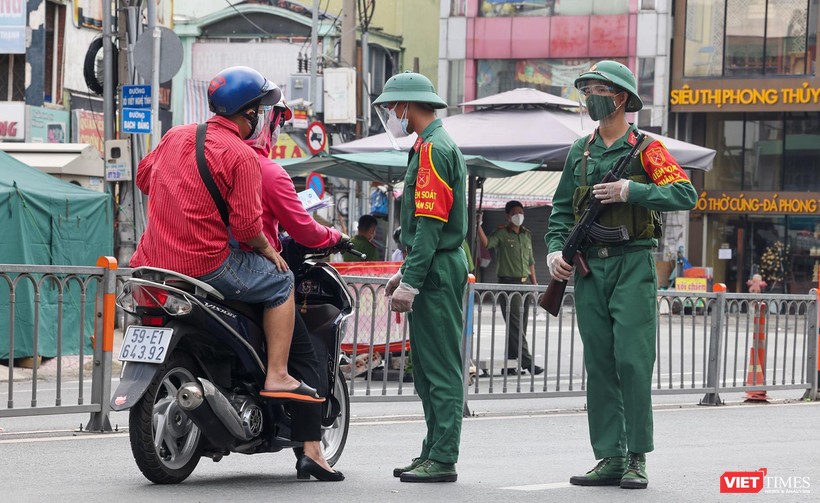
744	83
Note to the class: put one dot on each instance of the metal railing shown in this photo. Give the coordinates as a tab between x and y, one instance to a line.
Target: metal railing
706	344
78	293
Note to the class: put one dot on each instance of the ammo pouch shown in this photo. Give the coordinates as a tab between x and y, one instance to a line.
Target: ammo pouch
640	222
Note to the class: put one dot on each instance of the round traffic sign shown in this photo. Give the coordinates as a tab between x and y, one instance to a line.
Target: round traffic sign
316	137
170	47
317	183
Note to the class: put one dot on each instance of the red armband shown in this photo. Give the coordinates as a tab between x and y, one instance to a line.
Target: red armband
434	197
661	167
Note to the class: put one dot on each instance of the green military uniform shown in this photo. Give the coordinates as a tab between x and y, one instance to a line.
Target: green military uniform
363	245
617	301
433	228
514	257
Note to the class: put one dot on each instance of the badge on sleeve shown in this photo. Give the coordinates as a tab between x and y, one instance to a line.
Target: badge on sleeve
434	198
661	167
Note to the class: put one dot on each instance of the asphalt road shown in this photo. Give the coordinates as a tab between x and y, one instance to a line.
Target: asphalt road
506	456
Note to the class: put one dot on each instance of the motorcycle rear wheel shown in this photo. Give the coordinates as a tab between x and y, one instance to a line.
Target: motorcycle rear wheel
334	437
165	443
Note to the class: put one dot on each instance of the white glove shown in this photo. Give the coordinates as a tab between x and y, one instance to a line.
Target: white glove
402	299
613	192
392	284
557	271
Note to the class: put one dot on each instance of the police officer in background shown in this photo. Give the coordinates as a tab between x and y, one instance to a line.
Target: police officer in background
616	302
516	266
430	285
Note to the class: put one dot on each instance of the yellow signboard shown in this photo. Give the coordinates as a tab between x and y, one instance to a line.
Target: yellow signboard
691	285
286	148
782	203
802	95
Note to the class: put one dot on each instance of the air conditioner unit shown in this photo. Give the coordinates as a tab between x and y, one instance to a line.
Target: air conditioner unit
299	88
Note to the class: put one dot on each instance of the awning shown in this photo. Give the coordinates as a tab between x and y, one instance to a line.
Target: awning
58	158
390	166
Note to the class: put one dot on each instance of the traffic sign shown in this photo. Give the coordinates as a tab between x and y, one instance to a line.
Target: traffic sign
136	97
316	137
317	183
136	121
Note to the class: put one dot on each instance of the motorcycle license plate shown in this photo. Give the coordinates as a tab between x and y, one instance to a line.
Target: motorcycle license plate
145	344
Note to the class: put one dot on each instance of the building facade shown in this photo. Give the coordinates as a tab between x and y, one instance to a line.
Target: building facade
491	46
744	83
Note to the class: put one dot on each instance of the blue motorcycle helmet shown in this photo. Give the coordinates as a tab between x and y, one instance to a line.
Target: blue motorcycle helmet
239	88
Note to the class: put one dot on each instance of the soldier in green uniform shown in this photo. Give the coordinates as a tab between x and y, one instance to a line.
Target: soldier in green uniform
516	266
431	283
363	241
617	302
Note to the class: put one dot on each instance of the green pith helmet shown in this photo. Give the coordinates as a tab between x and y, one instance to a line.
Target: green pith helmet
409	86
617	74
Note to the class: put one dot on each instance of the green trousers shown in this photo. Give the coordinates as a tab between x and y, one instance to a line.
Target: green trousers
435	347
617	319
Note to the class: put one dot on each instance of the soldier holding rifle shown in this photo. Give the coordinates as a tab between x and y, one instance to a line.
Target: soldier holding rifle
616	296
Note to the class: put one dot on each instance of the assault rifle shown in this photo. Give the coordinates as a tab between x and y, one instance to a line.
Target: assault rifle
587	230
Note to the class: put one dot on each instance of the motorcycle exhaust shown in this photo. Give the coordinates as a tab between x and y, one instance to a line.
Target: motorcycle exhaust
213	413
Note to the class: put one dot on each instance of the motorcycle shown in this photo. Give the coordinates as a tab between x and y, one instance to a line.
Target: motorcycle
195	364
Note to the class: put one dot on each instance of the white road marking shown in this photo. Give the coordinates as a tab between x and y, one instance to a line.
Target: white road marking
84	436
539	487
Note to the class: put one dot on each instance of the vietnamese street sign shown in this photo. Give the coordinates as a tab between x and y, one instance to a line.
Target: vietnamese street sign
136	121
136	97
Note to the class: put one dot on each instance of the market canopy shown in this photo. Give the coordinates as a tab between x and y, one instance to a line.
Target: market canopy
523	133
389	166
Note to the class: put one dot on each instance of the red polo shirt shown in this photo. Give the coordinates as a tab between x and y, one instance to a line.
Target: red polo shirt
185	232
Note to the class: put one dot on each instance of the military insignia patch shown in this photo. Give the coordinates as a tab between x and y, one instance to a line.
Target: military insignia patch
423	177
661	167
433	197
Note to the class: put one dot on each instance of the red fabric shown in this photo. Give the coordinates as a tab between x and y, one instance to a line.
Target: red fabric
434	197
281	206
661	167
185	232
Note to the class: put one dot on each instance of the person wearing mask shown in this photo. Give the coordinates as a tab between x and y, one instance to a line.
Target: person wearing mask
430	285
617	300
282	210
363	240
516	266
186	232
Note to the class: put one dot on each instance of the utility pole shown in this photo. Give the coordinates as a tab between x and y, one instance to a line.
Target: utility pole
108	73
314	42
348	48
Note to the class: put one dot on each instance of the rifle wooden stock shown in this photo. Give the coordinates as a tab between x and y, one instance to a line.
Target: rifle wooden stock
554	296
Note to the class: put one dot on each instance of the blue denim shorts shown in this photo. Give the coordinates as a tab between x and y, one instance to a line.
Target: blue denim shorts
251	278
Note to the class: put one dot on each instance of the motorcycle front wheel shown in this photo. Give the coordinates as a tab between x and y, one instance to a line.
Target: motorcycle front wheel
166	444
334	437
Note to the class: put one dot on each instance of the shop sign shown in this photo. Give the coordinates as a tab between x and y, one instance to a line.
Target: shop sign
802	95
781	203
88	128
12	27
691	285
46	125
12	121
285	148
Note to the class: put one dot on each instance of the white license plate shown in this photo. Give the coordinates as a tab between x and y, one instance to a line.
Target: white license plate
145	344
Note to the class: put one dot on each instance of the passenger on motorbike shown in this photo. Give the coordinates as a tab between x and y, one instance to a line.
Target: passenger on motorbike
186	232
282	209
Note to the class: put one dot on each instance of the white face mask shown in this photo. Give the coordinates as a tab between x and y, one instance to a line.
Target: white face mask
517	219
396	126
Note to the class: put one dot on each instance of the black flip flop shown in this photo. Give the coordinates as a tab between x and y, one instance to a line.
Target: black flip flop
302	393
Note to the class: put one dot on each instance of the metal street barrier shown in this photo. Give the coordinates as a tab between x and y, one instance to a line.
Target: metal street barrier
707	344
64	292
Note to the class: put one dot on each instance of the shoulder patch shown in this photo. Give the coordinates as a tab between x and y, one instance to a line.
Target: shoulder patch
434	196
661	167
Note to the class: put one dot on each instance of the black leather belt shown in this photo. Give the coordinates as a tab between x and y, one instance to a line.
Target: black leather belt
604	252
512	279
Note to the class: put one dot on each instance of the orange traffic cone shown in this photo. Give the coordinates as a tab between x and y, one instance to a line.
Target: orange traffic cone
757	356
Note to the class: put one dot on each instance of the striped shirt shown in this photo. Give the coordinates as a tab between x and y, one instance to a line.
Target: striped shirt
185	232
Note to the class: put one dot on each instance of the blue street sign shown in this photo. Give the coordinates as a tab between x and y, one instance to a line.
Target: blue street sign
136	96
136	121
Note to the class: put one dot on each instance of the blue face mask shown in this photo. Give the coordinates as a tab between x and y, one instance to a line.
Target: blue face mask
398	127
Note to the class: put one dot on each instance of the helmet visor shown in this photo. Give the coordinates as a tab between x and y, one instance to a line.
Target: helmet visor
384	112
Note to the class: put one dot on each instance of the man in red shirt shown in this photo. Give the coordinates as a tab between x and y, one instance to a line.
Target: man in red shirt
186	232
